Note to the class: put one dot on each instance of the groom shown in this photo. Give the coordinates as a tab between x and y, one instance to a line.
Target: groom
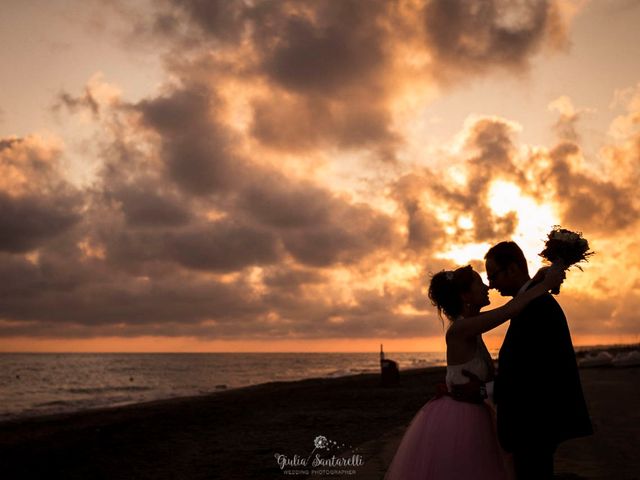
537	392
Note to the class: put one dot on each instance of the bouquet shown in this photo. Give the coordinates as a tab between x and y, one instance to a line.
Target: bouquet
566	248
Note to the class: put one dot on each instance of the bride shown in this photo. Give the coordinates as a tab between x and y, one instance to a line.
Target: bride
453	436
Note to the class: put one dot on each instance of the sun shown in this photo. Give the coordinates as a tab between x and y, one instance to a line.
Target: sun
534	221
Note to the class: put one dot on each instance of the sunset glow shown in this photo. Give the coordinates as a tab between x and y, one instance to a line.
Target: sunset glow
534	218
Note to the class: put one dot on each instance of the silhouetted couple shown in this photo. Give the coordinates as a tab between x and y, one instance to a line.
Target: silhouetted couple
537	392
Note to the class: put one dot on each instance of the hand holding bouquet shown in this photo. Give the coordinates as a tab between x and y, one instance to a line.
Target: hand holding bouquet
566	248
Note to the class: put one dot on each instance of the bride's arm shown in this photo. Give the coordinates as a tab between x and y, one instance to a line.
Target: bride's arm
489	320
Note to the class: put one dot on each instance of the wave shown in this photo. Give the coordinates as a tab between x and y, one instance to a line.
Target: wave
55	403
90	390
71	405
350	371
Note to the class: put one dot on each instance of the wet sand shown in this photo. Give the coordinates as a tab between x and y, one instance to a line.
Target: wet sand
236	434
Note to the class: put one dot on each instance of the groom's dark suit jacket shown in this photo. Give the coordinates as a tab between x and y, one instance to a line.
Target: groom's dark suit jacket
537	391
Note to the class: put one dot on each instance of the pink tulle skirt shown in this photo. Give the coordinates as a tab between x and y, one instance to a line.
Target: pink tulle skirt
451	440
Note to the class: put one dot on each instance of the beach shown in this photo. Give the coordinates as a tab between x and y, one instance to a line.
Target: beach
237	434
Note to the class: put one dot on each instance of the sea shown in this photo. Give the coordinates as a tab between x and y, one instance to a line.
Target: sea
34	384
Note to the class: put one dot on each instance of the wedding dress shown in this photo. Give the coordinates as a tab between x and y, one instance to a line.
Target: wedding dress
450	439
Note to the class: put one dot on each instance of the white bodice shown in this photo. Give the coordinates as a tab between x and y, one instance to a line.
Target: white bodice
480	365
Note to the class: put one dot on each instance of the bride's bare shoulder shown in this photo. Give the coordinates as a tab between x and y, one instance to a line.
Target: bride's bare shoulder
459	349
455	337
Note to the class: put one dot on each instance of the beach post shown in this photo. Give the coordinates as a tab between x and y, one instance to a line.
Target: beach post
389	373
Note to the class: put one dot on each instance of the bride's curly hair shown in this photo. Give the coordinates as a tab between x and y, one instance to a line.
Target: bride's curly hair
446	289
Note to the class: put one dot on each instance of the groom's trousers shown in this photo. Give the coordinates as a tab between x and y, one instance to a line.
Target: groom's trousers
535	462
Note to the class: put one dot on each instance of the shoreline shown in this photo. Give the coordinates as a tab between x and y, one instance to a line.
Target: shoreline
17	418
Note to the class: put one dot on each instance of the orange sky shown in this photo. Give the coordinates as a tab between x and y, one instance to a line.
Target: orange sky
286	176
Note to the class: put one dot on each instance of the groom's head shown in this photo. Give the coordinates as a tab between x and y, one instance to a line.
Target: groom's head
506	268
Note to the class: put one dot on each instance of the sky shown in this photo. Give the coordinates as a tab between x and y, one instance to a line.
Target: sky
194	176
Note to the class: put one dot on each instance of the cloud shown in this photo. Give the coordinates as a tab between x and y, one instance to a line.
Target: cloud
195	148
586	199
424	231
31	165
76	103
36	203
330	74
356	233
327	52
268	253
224	21
150	240
25	280
219	209
489	154
223	246
28	222
148	203
168	306
566	126
326	67
624	131
96	95
302	123
316	227
473	38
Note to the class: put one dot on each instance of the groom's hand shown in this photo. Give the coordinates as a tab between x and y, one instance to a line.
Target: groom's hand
473	391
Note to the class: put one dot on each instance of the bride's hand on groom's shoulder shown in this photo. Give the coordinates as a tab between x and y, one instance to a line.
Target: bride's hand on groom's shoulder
539	276
554	276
